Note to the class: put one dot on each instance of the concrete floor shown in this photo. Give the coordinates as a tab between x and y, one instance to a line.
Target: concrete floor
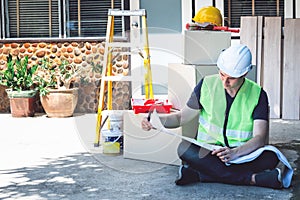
55	158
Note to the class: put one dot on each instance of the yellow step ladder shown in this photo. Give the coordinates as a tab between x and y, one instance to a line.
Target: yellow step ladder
107	76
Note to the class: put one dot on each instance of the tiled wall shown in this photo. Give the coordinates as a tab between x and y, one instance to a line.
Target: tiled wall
85	54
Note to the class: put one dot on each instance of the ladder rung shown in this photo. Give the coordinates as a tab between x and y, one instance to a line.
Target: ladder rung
117	78
127	52
119	44
117	12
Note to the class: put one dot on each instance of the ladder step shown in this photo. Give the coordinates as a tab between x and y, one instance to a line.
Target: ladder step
117	12
118	44
117	78
128	53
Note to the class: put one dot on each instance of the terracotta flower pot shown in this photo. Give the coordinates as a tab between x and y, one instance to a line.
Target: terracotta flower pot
22	103
60	102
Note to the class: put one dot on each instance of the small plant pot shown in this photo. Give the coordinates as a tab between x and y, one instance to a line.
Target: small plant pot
22	103
60	102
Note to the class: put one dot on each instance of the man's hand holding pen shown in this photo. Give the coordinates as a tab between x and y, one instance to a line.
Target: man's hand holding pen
146	125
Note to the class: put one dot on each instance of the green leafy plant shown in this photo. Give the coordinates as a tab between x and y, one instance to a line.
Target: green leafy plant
18	75
53	75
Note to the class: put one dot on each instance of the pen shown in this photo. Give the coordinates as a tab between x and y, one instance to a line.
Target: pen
149	117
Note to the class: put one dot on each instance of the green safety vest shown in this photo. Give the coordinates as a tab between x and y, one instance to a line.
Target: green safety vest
212	116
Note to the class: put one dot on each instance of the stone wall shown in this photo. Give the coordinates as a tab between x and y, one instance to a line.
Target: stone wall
85	54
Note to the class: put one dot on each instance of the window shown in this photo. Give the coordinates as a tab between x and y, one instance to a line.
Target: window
31	18
234	9
57	18
89	17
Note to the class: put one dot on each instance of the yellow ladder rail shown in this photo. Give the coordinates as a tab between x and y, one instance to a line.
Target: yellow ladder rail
148	75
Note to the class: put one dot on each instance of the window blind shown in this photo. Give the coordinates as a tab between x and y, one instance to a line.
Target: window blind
91	19
31	18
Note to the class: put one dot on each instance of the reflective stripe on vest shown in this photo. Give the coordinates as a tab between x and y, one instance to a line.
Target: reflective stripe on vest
212	115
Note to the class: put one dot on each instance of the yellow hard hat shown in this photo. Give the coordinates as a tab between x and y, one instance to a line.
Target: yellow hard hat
209	14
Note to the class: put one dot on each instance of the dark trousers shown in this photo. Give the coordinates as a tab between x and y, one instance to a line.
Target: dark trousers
212	169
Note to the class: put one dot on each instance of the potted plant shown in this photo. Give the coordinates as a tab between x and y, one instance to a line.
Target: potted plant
55	84
21	91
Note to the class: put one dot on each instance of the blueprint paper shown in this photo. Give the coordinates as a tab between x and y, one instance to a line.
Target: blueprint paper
287	173
156	123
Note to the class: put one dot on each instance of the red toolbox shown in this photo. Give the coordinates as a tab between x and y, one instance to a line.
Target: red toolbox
146	105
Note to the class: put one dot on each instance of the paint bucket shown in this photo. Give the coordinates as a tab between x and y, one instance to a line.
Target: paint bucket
112	132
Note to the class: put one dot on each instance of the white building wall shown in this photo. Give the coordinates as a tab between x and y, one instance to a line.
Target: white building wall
201	3
186	13
297	9
168	48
